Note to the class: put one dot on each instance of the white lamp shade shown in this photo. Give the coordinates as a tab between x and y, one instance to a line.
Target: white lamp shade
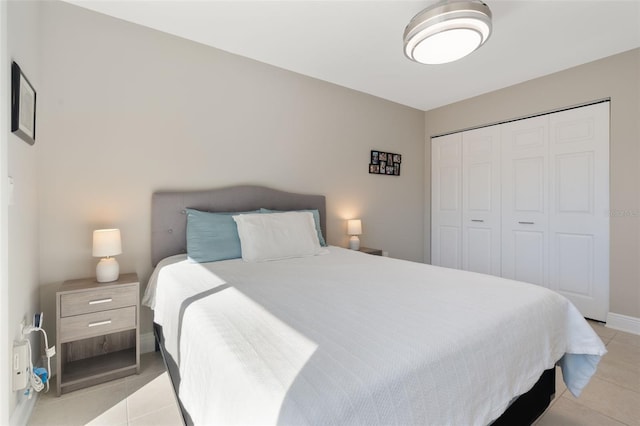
106	242
354	227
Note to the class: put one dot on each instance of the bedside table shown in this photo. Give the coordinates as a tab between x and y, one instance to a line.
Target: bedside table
375	252
98	334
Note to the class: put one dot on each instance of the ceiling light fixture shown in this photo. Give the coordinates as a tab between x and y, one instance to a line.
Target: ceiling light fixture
447	32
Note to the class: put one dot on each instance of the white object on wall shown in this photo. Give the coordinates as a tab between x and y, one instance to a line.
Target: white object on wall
20	366
11	191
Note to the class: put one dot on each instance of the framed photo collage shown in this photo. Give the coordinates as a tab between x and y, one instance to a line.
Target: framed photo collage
385	163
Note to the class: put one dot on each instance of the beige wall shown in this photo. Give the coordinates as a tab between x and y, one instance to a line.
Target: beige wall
616	77
127	110
23	252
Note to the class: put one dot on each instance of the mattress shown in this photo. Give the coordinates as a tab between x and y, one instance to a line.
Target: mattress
349	338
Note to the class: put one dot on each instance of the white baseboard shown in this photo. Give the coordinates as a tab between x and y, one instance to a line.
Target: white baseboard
147	342
22	413
623	323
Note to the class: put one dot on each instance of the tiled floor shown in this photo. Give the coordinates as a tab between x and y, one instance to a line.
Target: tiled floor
144	399
611	398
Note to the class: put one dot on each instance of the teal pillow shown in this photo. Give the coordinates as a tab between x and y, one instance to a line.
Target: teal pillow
316	219
212	236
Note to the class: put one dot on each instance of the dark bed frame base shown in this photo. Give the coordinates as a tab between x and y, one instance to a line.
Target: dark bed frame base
529	406
523	411
172	369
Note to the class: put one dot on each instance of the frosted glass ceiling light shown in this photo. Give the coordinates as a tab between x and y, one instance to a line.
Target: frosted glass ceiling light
447	32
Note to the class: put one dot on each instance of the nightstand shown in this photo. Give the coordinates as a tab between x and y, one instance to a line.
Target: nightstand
98	334
375	252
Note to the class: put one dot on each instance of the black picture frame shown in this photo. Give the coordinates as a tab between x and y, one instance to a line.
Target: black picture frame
375	157
385	163
23	106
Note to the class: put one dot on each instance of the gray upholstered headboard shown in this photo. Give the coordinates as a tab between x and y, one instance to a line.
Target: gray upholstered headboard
169	219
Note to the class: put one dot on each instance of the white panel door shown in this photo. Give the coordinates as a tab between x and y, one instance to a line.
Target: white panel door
525	209
579	203
481	200
446	201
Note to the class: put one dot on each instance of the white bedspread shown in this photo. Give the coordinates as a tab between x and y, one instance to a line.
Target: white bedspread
349	338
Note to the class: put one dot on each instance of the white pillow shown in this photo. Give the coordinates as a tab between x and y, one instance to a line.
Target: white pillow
273	236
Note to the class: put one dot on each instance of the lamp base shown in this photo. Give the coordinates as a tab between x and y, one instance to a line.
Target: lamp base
107	270
354	242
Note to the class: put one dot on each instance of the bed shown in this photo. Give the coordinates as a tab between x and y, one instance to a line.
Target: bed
343	337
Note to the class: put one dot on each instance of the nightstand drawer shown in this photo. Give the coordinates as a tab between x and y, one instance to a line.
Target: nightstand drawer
97	323
98	329
97	300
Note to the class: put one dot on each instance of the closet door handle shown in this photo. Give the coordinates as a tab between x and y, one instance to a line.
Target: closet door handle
525	223
477	220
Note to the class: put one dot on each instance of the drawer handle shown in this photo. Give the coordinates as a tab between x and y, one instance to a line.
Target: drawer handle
95	324
525	223
99	301
477	220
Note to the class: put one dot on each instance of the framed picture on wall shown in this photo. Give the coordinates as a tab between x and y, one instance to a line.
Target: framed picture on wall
23	106
384	163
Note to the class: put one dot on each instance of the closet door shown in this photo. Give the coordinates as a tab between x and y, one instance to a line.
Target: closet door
481	200
579	202
446	201
525	210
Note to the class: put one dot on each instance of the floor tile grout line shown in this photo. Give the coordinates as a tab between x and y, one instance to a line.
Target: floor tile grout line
631	346
150	412
577	401
558	396
80	392
622	364
580	402
617	384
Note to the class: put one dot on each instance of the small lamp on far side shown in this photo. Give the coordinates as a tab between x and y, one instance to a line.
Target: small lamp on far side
354	228
107	243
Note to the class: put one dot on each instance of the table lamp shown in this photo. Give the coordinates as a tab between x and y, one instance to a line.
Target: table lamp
354	228
107	243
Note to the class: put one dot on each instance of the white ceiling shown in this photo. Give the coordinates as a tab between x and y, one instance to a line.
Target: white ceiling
358	44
